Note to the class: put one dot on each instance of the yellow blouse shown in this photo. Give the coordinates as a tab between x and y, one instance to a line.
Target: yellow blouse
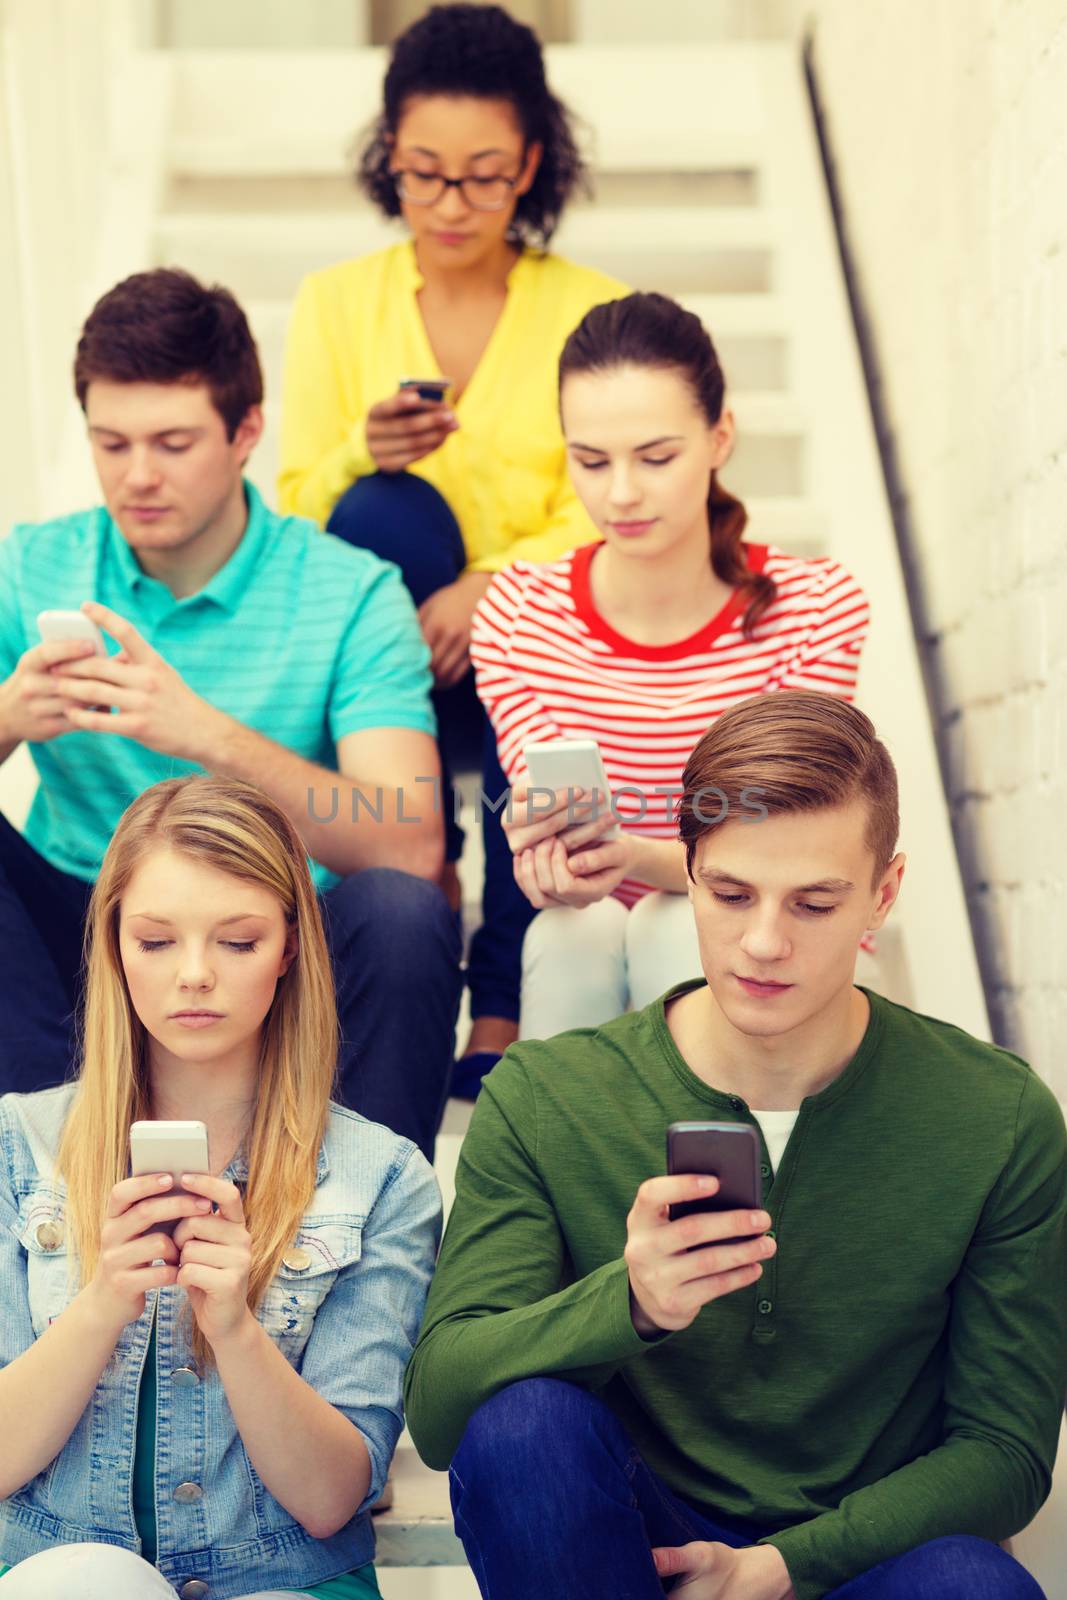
356	330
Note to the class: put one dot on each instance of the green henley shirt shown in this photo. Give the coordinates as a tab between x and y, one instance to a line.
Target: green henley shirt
897	1373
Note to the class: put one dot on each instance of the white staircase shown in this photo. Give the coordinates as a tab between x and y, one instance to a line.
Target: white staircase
709	187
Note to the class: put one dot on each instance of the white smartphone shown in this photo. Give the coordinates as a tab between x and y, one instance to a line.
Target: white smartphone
173	1147
71	625
562	764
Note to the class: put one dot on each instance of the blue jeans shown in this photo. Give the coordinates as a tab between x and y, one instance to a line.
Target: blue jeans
403	519
395	949
551	1498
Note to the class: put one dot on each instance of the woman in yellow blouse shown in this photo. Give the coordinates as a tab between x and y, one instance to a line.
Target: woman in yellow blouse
477	156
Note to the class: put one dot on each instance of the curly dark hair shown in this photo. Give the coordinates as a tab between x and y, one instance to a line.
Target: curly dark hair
480	50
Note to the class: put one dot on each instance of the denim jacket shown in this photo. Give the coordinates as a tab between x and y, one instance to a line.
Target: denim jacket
345	1311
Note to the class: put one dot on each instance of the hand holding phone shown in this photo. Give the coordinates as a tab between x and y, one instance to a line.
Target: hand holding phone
137	1252
410	424
680	1263
565	768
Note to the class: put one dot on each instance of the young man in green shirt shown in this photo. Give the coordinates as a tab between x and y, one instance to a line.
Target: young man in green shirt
858	1400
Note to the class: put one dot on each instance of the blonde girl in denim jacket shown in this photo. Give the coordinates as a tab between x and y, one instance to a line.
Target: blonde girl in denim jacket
210	1412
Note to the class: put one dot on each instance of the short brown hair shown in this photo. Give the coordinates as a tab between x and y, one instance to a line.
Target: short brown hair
165	327
784	753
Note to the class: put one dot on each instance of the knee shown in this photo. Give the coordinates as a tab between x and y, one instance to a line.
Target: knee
560	934
402	518
92	1571
403	914
525	1436
960	1566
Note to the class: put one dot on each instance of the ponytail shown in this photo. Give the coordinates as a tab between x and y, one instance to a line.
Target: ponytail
727	519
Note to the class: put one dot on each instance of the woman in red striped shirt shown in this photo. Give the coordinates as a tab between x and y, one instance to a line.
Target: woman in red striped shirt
639	642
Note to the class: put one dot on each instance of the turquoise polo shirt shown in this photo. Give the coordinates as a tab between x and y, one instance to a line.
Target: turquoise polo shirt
299	635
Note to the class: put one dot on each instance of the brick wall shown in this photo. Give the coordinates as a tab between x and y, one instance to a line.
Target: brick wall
948	126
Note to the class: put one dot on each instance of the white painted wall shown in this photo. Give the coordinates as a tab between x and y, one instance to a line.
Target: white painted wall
20	471
948	122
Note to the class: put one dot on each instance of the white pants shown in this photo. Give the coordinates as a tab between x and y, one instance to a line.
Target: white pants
583	967
96	1572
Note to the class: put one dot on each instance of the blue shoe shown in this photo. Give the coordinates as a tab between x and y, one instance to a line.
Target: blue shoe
468	1072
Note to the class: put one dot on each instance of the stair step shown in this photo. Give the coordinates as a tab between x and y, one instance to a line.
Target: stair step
753	352
292	195
417	1529
247	111
768	459
688	249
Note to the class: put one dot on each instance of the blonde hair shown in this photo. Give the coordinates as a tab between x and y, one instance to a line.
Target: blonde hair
237	829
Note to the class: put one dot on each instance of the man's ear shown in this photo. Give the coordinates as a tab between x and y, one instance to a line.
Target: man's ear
249	432
887	890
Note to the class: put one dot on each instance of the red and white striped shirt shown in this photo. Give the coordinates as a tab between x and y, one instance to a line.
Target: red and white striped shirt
549	666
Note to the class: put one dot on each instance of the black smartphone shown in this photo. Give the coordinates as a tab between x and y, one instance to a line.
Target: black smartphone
427	388
728	1150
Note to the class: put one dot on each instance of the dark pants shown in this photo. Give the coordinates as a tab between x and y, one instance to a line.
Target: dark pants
551	1498
403	519
395	949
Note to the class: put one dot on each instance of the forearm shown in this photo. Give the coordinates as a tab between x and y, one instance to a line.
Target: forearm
582	1332
44	1392
336	816
968	1485
9	739
314	491
659	862
310	1457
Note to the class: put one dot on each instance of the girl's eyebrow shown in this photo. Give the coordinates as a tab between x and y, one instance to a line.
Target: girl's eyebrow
649	444
165	922
424	150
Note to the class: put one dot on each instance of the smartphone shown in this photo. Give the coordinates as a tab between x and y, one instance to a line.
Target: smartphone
428	388
71	625
728	1150
562	764
173	1147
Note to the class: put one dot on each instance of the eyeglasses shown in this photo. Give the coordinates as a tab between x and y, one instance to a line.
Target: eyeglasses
426	188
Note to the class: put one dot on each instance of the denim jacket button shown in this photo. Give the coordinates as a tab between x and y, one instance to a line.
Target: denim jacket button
186	1494
297	1259
195	1589
185	1377
50	1235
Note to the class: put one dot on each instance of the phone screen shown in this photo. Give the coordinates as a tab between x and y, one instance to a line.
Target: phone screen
728	1150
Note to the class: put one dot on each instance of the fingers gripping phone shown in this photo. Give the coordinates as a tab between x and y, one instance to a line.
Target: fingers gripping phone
71	625
562	764
730	1151
174	1147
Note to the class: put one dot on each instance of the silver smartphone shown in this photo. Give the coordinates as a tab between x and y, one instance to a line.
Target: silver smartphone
562	764
174	1147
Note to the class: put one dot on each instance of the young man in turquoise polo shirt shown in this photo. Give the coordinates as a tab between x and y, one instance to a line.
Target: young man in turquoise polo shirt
860	1392
241	643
